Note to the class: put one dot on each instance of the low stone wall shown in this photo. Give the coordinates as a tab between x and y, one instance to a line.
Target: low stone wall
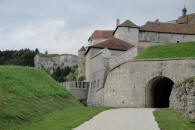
182	98
128	55
79	90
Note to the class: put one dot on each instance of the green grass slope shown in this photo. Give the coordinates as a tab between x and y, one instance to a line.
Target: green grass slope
168	119
28	94
178	50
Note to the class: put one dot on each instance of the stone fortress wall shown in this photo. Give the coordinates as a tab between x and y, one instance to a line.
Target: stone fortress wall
51	63
128	84
79	90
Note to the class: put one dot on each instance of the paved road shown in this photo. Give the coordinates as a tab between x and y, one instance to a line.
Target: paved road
122	119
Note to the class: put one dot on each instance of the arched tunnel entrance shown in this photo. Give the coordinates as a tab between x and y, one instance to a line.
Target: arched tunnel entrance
158	91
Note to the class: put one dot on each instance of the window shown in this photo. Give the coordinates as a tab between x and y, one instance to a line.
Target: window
94	84
129	30
91	84
98	83
157	36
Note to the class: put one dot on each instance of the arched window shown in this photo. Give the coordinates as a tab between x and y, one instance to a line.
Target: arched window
98	83
94	84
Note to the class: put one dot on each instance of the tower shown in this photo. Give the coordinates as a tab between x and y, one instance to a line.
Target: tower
184	11
127	31
81	61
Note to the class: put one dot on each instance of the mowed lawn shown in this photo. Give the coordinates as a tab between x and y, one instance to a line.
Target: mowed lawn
168	119
66	119
179	50
31	99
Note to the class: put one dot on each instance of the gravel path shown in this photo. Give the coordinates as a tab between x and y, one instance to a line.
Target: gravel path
122	119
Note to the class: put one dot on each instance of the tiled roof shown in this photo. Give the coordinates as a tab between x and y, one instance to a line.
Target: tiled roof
168	28
128	23
188	19
113	44
101	34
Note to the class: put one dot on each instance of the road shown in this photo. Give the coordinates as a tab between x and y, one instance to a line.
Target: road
122	119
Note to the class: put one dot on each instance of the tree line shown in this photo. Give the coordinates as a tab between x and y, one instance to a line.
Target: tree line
23	57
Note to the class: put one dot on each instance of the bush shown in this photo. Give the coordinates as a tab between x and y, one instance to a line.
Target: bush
81	78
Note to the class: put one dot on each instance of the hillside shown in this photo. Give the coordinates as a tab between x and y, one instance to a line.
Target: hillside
178	50
28	95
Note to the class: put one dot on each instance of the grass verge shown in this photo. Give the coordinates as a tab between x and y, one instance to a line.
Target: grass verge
66	119
179	50
168	119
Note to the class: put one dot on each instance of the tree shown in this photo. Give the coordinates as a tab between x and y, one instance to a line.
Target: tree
81	78
46	52
37	51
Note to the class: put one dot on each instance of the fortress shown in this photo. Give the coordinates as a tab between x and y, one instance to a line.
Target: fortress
115	79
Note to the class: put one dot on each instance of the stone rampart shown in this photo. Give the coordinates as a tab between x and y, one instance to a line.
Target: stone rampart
127	84
79	90
126	56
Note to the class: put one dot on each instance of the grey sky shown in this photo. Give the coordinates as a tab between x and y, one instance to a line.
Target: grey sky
63	26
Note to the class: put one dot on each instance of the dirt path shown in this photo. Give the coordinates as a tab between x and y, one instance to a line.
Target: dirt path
122	119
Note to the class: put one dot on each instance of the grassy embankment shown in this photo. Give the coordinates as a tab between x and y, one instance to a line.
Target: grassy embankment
168	119
31	99
178	50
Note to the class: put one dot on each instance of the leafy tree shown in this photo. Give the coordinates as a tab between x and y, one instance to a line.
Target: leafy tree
65	74
24	57
37	51
81	78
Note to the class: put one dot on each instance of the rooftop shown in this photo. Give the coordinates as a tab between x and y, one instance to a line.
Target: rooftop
128	23
168	28
101	34
113	44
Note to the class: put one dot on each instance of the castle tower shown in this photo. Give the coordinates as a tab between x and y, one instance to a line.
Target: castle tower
184	11
81	61
128	32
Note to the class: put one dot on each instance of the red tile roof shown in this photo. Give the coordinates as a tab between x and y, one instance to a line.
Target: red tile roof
188	19
128	23
101	34
113	44
168	28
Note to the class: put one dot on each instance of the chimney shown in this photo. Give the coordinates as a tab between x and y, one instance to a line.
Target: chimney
117	22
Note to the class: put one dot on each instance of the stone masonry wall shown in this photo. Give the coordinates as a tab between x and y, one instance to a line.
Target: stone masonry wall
182	98
51	63
79	90
127	55
126	85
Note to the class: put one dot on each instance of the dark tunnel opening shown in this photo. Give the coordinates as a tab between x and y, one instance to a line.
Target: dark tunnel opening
161	92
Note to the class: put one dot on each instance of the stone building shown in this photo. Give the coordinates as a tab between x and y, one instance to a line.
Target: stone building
81	61
110	48
50	63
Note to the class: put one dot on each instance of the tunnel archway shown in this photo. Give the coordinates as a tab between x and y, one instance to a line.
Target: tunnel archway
158	91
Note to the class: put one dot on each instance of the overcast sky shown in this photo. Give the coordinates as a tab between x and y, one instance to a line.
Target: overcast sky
63	26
